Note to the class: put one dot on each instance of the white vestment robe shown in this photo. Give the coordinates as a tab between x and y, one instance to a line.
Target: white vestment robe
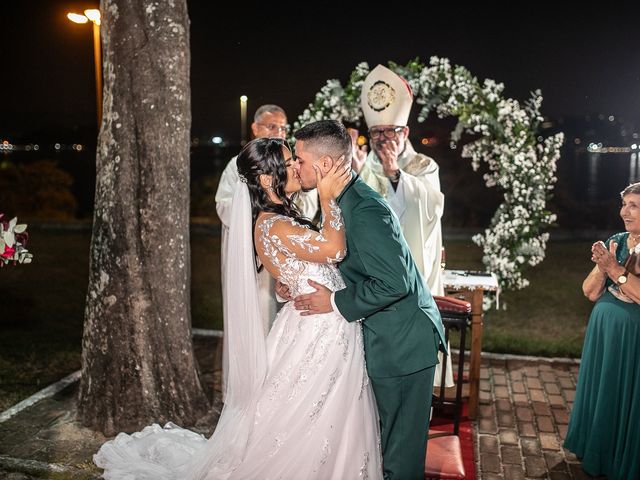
418	203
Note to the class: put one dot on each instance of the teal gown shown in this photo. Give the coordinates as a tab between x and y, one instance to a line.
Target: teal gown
604	429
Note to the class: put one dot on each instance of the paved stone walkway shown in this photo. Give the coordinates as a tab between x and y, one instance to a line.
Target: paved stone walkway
522	421
523	417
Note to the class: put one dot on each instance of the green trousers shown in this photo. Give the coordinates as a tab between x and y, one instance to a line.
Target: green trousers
404	405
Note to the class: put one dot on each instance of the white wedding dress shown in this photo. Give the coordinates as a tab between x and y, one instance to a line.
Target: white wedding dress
314	416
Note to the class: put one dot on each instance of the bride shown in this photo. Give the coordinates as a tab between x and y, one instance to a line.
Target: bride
298	405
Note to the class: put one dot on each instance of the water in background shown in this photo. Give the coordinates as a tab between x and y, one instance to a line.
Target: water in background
598	177
586	195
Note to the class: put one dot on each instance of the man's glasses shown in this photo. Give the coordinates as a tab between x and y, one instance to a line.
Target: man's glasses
272	127
387	132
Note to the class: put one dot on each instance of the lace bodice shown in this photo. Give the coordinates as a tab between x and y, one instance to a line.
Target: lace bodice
294	253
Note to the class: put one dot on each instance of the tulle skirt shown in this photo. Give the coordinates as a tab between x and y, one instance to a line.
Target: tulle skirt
314	418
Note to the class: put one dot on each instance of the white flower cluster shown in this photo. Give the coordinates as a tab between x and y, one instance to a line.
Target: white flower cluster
13	240
334	102
520	164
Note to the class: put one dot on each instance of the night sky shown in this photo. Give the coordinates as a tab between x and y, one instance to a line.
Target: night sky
585	60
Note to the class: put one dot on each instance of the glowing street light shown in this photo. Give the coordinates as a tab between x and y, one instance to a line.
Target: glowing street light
243	120
93	16
77	18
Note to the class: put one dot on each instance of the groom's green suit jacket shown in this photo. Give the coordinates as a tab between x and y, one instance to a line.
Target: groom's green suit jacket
402	326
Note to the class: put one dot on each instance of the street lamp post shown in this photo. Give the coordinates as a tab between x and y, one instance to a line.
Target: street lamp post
93	16
243	120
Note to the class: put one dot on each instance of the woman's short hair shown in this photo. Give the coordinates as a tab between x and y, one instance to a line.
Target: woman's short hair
633	188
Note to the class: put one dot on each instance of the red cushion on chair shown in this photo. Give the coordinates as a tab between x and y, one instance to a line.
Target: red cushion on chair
444	458
451	304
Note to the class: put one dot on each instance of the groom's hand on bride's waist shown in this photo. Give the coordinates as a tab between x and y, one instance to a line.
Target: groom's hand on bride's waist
316	302
282	292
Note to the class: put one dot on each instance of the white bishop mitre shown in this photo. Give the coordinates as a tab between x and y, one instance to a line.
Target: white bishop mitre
386	98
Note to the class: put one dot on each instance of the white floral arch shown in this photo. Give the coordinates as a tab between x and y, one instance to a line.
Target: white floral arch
520	163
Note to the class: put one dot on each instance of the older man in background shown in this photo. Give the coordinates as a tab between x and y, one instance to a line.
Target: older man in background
268	121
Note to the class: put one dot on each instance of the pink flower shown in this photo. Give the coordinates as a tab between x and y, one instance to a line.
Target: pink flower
8	252
13	238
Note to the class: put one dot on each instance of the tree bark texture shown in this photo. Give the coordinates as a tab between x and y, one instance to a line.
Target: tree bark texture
138	365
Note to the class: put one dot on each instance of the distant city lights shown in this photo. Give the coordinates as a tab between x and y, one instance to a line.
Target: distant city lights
598	148
7	147
429	141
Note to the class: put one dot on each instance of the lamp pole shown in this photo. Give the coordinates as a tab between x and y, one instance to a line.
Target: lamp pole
97	60
243	120
93	16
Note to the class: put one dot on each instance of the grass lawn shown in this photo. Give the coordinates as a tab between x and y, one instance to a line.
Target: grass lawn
43	303
549	317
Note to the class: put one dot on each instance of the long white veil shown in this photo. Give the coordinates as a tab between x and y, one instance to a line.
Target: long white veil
245	341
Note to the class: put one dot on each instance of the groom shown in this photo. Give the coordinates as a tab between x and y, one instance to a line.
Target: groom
402	326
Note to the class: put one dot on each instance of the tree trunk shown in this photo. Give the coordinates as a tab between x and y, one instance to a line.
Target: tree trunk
138	365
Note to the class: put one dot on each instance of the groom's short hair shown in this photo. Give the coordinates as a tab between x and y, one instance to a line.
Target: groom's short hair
326	137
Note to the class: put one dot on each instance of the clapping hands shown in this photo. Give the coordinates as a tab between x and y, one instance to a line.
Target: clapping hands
388	152
603	258
358	153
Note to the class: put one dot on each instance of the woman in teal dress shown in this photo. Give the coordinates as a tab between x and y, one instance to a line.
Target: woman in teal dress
604	429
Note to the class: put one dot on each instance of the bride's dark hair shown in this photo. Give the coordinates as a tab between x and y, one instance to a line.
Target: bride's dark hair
264	156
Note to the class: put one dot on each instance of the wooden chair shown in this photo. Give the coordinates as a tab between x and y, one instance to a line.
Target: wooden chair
456	314
444	457
444	453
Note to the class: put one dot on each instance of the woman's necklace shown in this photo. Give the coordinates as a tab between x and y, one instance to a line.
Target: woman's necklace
635	241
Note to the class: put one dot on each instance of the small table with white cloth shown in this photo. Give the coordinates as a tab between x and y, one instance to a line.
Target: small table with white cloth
471	286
